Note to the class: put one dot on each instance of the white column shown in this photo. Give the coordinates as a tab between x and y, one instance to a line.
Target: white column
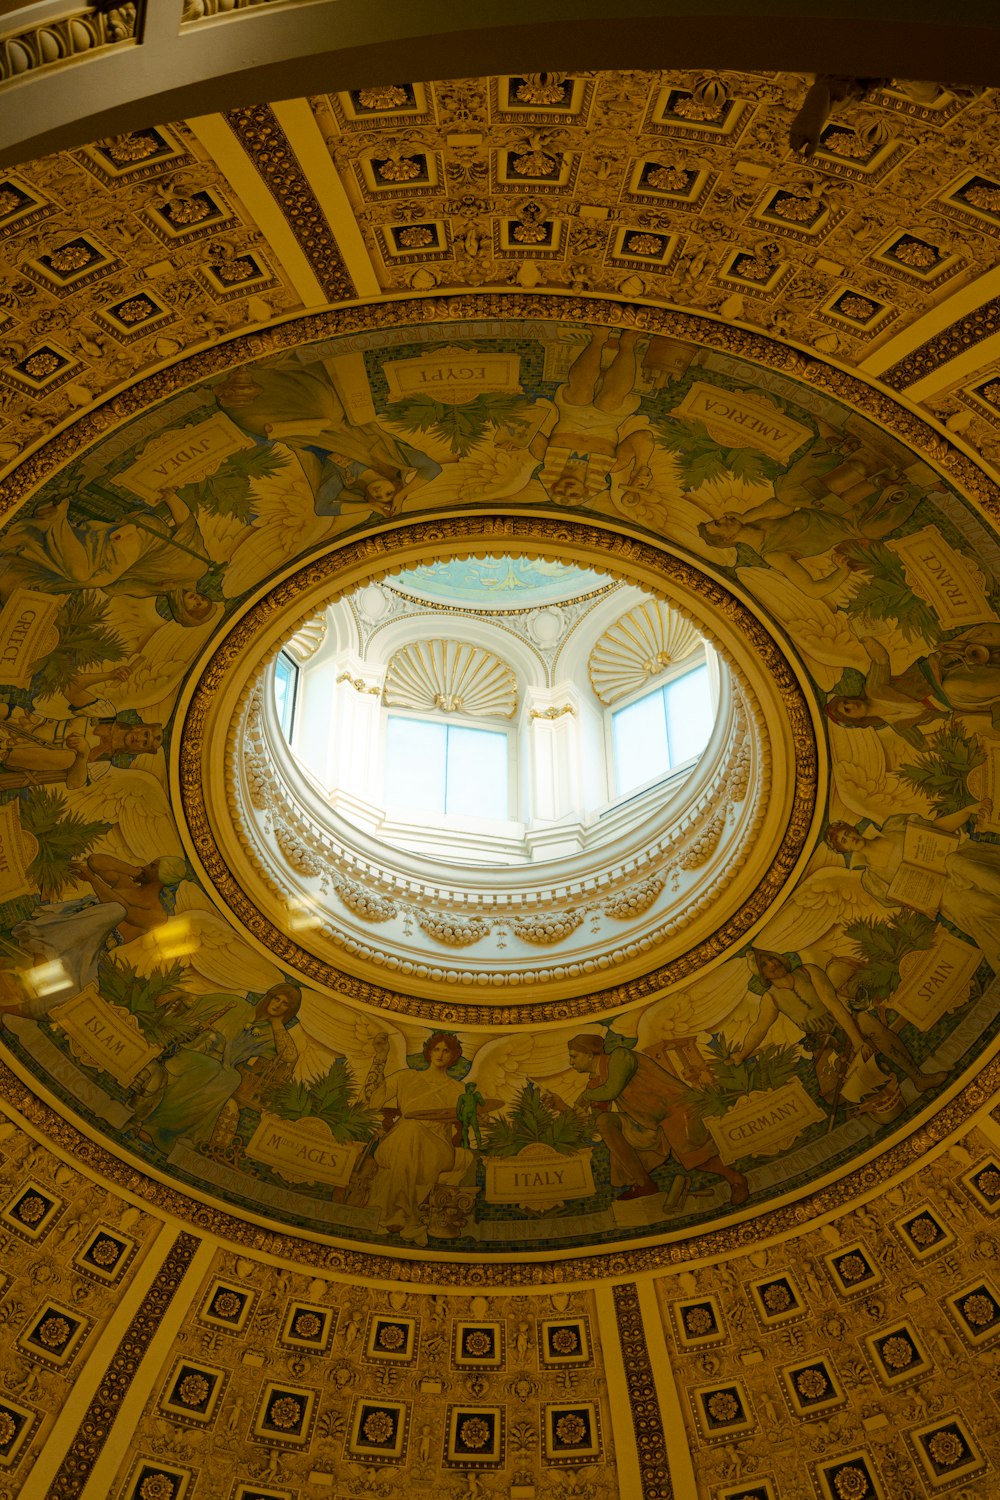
356	751
551	717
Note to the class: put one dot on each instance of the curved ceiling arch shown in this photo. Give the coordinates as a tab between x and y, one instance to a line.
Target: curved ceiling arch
277	50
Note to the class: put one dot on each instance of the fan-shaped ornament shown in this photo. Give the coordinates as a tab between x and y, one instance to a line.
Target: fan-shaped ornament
451	677
637	648
307	641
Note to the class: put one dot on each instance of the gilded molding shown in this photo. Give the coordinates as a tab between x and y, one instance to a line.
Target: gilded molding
982	323
258	132
100	1416
650	1439
206	10
34	49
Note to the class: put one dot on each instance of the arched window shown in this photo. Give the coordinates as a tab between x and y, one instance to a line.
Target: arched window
286	681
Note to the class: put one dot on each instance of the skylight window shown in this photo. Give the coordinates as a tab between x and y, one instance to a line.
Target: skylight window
662	730
446	768
286	677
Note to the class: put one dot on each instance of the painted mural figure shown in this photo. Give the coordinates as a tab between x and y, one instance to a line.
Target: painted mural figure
961	676
144	555
588	442
467	1109
234	1037
128	901
38	752
418	1148
642	1113
781	537
832	1032
930	868
295	402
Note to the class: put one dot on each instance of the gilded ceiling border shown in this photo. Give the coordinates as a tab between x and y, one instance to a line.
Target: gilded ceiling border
99	1418
881	406
509	1274
380	553
647	1421
262	138
965	333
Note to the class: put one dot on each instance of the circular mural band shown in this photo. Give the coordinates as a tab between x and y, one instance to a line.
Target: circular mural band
810	950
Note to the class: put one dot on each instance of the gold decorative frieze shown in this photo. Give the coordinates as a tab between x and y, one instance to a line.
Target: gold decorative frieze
68	38
206	10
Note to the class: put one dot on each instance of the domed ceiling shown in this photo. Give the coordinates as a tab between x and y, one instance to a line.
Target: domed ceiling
604	321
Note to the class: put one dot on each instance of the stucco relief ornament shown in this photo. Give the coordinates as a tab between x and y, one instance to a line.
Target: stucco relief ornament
897	1352
722	1406
104	1252
946	1448
285	1413
852	1268
367	904
551	928
388	96
71	258
193	1390
979	1310
668	179
157	1487
227	1305
636	900
803	210
8	1429
645	244
571	1428
811	1384
31	1209
399	169
923	1231
852	1484
697	1322
542	88
474	1432
135	310
417	237
299	856
856	307
233	271
699	110
130	148
915	253
453	931
41	364
981	196
187	210
54	1333
705	844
